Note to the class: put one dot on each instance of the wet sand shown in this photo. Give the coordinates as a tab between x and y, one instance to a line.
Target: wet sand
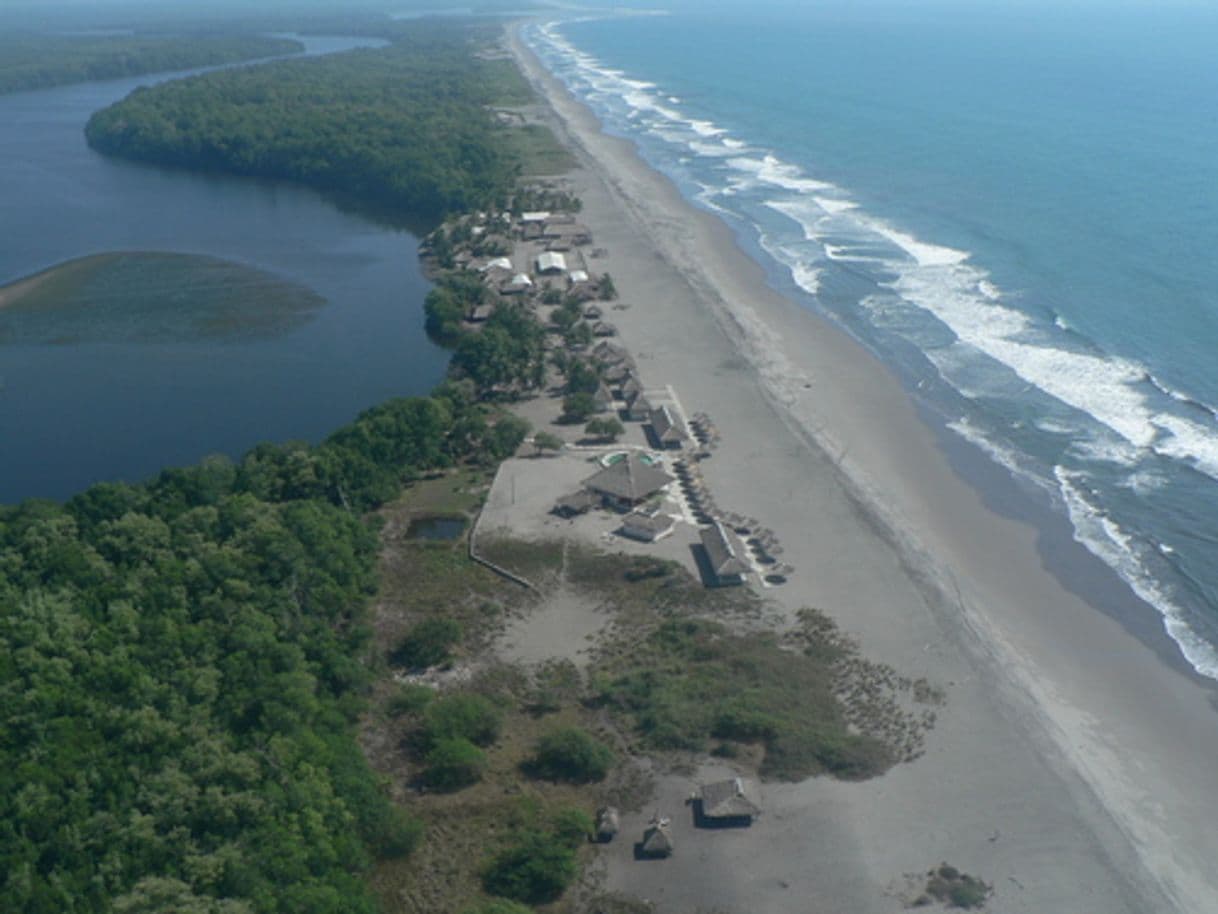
1073	765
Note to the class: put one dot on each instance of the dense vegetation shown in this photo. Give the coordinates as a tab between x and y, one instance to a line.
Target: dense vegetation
180	671
406	128
36	61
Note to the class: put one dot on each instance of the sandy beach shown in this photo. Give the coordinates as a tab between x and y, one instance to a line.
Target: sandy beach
1072	765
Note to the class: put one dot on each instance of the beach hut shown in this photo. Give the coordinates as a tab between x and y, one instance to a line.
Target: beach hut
577	277
500	263
657	838
603	398
724	555
551	263
734	801
646	526
667	428
603	328
517	285
608	823
628	482
592	312
638	407
480	313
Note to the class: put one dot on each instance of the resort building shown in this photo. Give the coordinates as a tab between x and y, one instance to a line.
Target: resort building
551	263
724	555
603	398
517	285
734	801
668	429
628	482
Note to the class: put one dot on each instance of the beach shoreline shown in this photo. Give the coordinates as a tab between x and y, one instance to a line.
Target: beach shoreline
913	543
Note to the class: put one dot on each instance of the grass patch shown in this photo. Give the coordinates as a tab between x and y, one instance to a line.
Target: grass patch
538	149
947	885
692	681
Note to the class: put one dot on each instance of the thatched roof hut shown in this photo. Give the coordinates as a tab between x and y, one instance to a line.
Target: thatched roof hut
657	838
734	799
608	823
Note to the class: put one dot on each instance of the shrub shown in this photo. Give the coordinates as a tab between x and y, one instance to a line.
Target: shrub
453	764
571	754
571	826
536	868
578	407
409	699
554	683
398	834
461	716
427	644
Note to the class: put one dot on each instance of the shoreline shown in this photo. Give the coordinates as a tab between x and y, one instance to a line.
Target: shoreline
1121	740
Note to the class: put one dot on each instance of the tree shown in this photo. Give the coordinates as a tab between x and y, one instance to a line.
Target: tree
453	764
571	754
545	441
578	407
536	868
506	436
607	429
428	644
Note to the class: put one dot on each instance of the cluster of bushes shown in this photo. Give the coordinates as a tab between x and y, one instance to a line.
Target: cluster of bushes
693	680
540	859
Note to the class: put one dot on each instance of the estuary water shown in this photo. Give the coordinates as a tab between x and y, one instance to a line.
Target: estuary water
75	413
1016	206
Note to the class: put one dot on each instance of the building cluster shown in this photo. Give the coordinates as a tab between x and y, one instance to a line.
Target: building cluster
731	803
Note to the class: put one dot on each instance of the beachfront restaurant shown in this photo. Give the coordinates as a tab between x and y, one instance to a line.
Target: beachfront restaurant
628	482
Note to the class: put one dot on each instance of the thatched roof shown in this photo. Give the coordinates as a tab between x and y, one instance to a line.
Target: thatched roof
722	550
731	799
646	527
607	822
630	479
668	428
657	839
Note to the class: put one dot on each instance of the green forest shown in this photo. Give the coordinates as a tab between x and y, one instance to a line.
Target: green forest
181	666
406	127
39	61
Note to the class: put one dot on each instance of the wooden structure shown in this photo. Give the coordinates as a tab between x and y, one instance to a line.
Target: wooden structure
657	838
628	483
734	801
724	555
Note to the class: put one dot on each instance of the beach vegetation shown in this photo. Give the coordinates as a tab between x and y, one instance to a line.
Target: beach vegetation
608	429
571	754
949	886
536	866
605	288
462	716
545	441
577	407
499	906
453	763
409	698
428	644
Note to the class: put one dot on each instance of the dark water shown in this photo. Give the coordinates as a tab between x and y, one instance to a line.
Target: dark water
71	415
436	528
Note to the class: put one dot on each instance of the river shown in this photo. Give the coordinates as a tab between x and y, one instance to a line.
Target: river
76	413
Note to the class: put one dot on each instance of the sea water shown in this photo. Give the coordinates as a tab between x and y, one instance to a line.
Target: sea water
1015	206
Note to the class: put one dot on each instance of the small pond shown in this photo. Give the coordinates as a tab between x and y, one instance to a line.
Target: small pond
436	528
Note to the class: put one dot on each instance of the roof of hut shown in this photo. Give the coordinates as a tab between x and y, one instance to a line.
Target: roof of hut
721	550
730	799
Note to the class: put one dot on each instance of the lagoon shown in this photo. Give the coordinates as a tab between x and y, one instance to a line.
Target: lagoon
100	406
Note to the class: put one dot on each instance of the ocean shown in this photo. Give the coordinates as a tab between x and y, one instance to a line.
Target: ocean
1016	208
